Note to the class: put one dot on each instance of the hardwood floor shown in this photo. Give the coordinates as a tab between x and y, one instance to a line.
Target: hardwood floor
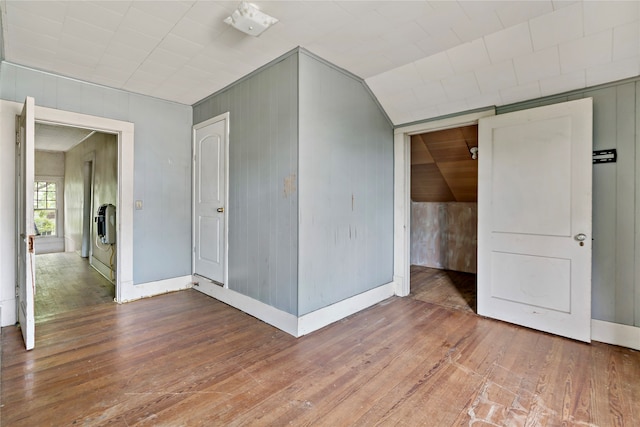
65	281
184	359
451	289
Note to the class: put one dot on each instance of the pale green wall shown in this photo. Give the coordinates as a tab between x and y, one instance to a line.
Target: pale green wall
105	188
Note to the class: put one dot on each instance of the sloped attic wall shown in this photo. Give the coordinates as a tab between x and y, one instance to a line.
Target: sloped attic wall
345	187
310	184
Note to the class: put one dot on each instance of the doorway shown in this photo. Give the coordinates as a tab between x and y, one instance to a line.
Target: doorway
402	189
562	306
444	217
76	170
210	196
26	116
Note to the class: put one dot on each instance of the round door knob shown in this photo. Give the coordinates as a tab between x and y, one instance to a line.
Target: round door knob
220	210
581	237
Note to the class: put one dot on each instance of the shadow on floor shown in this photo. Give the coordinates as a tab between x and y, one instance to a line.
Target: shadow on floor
451	289
65	281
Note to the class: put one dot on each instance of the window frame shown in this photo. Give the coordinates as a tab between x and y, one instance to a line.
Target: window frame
59	182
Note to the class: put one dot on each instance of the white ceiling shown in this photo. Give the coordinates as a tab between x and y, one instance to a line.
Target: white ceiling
59	138
421	58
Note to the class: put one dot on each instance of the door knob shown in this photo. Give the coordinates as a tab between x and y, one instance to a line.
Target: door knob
220	210
581	237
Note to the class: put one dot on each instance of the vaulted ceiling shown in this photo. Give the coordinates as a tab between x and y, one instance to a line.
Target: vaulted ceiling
421	58
442	167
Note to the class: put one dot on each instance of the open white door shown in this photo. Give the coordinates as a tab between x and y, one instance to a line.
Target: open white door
209	232
534	218
25	233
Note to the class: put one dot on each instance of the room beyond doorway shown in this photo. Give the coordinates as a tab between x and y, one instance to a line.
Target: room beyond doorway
67	282
444	224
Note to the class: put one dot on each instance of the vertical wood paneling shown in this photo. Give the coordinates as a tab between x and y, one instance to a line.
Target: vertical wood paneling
346	188
605	208
263	169
625	194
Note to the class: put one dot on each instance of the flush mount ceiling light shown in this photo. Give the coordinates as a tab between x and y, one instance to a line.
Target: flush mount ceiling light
250	20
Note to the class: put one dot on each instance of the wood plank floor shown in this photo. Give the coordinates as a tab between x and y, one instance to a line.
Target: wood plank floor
65	281
184	359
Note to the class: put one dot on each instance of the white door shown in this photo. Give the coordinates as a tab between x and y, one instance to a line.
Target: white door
25	233
534	218
209	235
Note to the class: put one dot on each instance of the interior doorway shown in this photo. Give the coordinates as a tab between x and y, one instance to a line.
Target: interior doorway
76	170
443	191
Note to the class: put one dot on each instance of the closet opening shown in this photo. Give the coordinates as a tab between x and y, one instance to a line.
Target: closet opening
444	217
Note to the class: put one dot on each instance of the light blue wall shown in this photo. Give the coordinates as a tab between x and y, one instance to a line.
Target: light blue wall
345	187
616	192
263	168
162	230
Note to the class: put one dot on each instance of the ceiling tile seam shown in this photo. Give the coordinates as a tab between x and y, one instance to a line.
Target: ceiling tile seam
156	46
504	27
470	19
112	37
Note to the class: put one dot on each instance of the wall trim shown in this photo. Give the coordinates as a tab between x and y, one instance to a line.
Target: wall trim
282	320
102	268
150	289
124	213
325	316
615	334
290	323
402	188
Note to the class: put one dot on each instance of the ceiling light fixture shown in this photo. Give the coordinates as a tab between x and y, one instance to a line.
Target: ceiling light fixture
250	20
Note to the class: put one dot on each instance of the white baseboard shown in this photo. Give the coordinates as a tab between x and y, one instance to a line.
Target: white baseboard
102	268
130	292
615	333
287	322
325	316
282	320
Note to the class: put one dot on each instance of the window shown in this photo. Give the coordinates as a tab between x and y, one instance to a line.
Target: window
45	208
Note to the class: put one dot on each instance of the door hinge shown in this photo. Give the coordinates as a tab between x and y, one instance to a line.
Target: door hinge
18	139
605	156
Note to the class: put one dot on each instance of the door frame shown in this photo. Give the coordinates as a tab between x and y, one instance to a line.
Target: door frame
402	189
124	132
225	232
88	178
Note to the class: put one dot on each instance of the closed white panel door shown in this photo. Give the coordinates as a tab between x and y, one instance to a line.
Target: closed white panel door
25	232
534	218
209	200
